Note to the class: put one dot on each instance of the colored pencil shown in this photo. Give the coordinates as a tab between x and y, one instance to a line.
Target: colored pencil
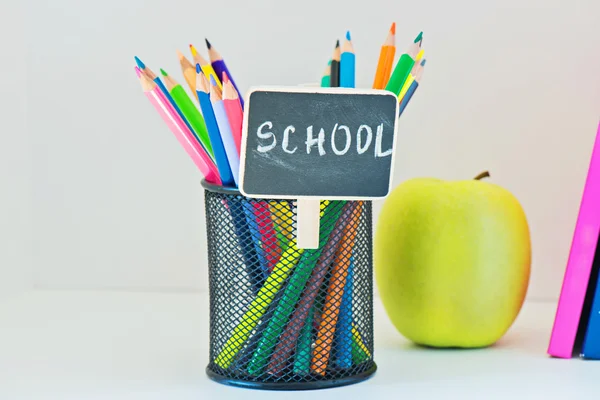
386	59
413	87
331	310
288	339
261	255
303	348
185	137
189	73
233	108
190	112
202	91
258	306
402	69
326	78
268	235
207	69
283	219
293	290
220	67
344	328
335	66
233	156
162	87
239	207
347	63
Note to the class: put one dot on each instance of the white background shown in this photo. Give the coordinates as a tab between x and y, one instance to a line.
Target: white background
97	194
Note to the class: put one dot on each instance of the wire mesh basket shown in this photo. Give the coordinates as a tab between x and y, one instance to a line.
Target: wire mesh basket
282	317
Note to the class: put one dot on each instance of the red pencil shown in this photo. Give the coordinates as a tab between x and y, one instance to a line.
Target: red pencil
233	108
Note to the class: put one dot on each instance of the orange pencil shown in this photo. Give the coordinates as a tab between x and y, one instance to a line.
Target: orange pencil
189	73
333	300
386	59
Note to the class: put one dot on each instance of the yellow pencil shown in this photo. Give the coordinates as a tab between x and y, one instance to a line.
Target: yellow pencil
205	66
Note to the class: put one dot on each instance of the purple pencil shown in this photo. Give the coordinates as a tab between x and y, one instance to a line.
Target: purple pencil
219	66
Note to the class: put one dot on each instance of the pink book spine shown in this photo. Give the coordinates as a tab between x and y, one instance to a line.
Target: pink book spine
579	266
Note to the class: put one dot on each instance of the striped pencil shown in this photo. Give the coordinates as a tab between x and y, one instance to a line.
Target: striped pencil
185	137
386	59
233	108
413	87
190	112
202	91
189	72
403	67
220	68
347	63
225	130
146	70
334	80
207	69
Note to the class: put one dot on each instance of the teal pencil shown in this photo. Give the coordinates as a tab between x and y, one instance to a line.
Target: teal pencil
347	63
292	292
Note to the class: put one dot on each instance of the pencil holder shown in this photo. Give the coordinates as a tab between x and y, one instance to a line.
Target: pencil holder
285	318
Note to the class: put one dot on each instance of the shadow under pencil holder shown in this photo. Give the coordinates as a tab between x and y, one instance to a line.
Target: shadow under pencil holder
285	318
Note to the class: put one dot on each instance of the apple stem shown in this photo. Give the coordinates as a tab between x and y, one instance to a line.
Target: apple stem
484	174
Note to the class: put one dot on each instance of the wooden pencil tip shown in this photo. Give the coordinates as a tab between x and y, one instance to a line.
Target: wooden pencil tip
225	77
198	69
138	71
193	49
213	81
393	28
208	45
180	55
163	72
337	43
423	62
139	62
348	35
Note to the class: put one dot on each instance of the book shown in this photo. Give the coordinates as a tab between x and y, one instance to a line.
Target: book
579	265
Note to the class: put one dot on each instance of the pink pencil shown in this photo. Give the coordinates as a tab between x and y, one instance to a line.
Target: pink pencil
179	129
233	108
579	265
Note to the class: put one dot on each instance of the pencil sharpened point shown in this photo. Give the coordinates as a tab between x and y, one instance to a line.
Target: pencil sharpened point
163	72
393	28
208	45
139	62
348	35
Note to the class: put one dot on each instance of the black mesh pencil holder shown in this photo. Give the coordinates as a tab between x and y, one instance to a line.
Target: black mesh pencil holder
281	317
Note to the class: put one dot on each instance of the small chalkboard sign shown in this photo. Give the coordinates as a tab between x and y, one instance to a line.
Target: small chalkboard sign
314	144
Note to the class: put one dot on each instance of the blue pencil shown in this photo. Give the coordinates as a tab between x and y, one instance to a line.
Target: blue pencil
237	207
202	90
347	63
263	263
165	91
344	325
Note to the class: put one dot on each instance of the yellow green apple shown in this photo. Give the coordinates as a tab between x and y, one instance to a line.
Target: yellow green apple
452	260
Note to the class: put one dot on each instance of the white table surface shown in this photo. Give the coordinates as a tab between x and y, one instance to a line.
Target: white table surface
123	345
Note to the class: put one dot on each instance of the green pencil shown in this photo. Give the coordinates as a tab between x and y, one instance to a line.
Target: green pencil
293	290
326	75
403	67
189	110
